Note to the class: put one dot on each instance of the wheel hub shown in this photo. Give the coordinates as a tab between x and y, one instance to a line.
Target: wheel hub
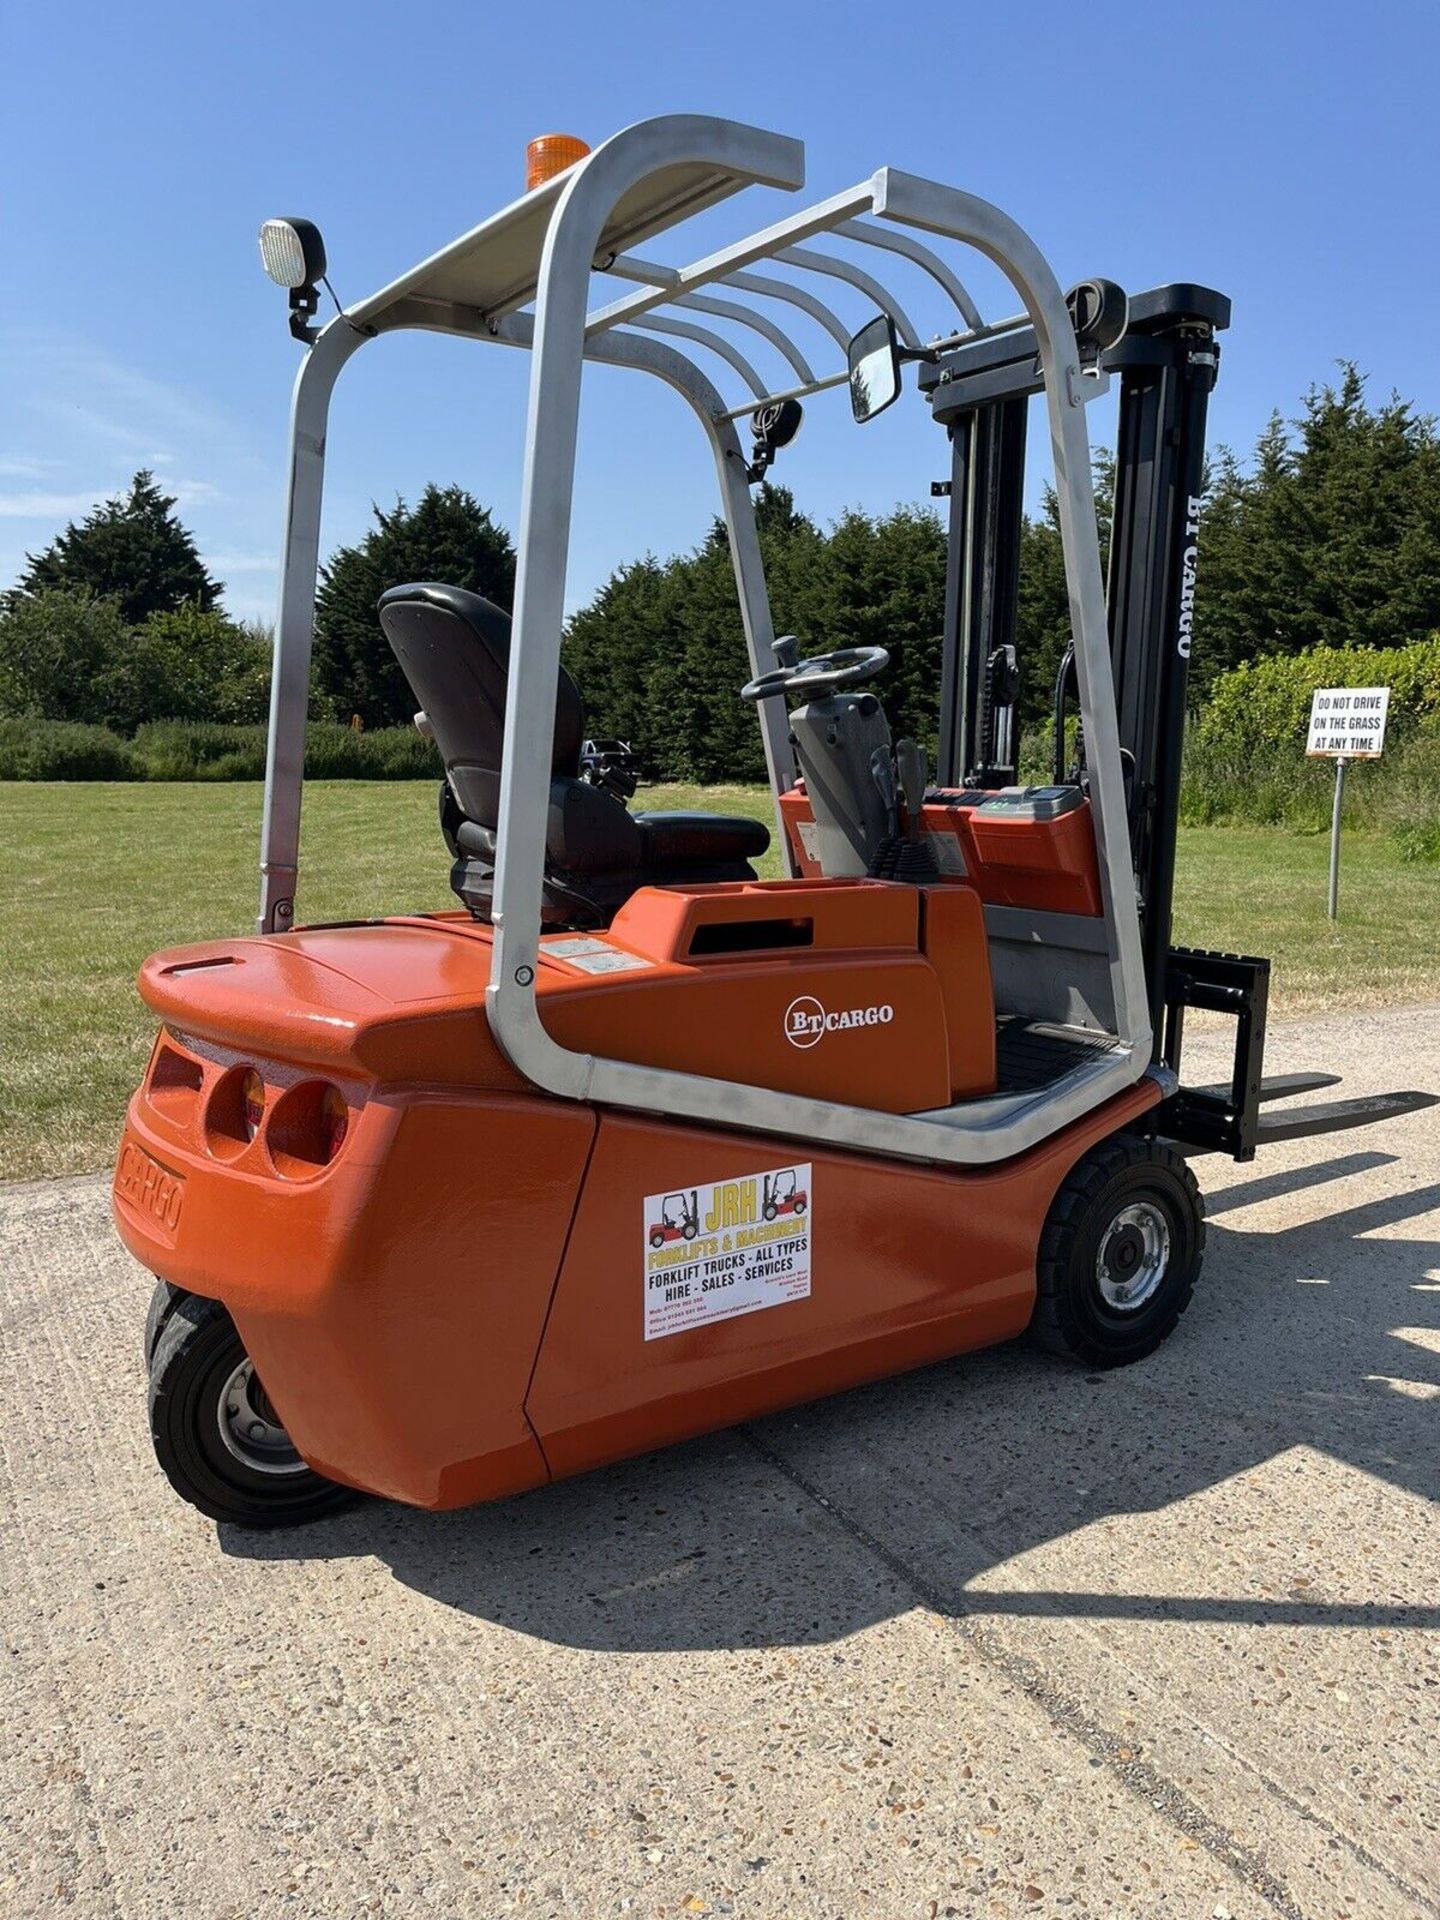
1133	1255
248	1426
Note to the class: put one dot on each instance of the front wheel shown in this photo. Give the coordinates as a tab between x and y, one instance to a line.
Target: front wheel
1120	1253
217	1437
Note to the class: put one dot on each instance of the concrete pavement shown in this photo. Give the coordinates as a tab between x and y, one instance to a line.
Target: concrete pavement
997	1638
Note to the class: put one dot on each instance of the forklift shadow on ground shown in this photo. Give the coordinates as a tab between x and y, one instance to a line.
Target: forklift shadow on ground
807	1527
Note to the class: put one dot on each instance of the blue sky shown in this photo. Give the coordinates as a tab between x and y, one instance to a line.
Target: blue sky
1284	153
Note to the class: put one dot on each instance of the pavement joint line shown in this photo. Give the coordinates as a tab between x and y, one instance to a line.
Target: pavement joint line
1138	1778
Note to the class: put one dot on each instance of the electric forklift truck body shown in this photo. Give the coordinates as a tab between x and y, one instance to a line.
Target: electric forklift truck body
634	1145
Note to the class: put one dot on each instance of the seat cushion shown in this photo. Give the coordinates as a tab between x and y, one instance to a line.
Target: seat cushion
688	839
589	831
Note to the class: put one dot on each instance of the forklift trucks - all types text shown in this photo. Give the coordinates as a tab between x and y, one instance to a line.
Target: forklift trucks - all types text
631	1145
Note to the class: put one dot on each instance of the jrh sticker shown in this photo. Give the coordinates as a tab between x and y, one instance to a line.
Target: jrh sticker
713	1253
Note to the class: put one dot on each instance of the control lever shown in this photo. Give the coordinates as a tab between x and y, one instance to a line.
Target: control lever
907	857
882	772
911	765
786	650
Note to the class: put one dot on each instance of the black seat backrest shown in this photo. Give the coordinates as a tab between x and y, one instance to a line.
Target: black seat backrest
454	649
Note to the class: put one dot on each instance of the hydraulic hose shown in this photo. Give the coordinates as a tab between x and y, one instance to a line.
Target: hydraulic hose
1064	677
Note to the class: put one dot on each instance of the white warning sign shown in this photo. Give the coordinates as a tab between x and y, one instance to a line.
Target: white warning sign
1348	722
949	856
713	1253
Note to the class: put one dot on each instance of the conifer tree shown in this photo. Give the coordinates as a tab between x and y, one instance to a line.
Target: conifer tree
130	549
446	536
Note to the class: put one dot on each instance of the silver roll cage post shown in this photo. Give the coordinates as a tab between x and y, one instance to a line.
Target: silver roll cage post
295	622
544	249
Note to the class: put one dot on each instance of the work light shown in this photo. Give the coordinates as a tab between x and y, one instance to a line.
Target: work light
293	254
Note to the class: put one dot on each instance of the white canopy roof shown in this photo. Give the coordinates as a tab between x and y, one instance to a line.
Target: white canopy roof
496	266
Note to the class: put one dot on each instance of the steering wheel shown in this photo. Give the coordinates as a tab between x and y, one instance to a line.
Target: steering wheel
822	673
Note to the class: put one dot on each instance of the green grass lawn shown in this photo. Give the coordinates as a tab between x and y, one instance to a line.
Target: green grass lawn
101	875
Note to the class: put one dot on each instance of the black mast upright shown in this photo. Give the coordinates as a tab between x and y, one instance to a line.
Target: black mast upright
978	743
1167	364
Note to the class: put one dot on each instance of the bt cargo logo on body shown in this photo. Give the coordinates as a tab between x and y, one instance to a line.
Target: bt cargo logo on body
807	1021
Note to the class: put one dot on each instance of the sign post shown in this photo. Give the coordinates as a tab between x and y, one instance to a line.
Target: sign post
1346	723
1332	908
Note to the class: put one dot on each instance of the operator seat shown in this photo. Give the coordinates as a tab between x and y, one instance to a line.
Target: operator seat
454	649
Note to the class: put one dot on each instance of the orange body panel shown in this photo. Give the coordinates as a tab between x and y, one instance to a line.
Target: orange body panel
1048	865
952	929
670	923
731	1013
909	1264
394	1303
469	1235
403	999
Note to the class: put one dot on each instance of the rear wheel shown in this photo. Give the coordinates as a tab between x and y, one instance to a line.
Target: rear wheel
217	1437
163	1302
1120	1253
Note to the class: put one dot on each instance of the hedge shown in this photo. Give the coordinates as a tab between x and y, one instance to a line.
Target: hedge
1245	761
63	750
196	750
1245	757
1264	706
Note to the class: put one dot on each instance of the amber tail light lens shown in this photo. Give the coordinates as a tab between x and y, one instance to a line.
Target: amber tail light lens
252	1103
337	1119
307	1128
234	1113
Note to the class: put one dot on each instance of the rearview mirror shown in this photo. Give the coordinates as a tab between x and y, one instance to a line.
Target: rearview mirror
873	358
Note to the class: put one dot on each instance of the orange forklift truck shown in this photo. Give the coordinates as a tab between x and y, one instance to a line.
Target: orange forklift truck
632	1145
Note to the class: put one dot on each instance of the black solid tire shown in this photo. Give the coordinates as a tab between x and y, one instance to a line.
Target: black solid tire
163	1302
1071	1314
196	1353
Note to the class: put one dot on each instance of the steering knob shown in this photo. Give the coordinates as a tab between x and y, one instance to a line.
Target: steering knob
821	673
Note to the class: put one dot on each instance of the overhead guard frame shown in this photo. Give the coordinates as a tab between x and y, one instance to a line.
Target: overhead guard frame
546	248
